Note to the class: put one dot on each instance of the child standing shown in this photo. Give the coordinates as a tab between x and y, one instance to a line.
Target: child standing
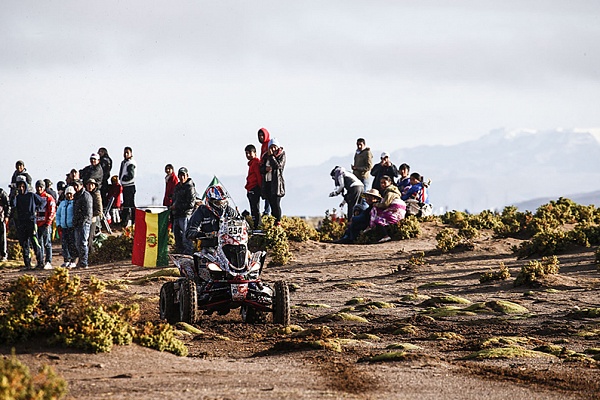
64	220
114	192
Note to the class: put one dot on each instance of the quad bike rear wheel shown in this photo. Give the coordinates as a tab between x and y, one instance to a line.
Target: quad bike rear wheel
281	303
188	302
252	315
167	307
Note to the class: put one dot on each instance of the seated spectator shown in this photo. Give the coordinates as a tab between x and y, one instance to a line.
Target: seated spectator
389	210
417	197
349	186
404	179
384	167
361	217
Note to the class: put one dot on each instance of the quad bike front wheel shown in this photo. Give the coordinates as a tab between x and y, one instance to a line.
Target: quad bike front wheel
167	307
252	315
281	303
188	302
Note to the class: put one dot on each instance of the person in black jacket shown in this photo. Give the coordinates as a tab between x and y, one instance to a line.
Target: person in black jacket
383	168
4	215
273	184
24	208
184	201
106	164
93	171
82	221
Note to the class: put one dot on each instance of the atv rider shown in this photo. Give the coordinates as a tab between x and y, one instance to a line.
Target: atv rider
204	222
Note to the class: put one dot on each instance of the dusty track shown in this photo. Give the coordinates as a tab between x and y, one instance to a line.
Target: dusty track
234	360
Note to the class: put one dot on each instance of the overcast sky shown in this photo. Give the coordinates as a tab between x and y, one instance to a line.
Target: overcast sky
191	82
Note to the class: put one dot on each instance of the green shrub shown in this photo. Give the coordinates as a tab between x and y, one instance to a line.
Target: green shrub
513	223
449	240
545	243
16	382
331	228
530	273
502	274
298	230
160	337
406	228
114	248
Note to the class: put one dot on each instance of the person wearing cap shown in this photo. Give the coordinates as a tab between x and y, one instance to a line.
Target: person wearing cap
44	218
389	210
127	174
361	218
93	171
349	186
4	216
106	164
184	202
64	221
171	181
363	162
92	187
384	167
23	211
273	184
253	183
82	221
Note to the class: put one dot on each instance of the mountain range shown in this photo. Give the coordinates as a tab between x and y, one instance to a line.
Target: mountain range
505	167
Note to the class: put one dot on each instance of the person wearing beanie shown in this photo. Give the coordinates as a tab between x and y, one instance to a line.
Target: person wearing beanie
273	185
82	221
23	211
264	137
184	202
64	221
44	218
20	170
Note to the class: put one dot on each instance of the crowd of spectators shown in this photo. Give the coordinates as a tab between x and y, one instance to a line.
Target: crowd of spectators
87	198
394	194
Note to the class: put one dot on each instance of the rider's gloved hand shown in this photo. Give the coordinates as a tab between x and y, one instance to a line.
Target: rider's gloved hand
332	194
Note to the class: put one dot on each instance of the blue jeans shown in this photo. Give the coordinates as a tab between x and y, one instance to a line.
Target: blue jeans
82	235
182	244
44	235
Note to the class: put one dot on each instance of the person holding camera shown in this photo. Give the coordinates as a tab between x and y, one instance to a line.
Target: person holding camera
384	168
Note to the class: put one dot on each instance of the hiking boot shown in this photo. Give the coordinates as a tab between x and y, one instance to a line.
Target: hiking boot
48	266
71	264
384	239
4	259
65	264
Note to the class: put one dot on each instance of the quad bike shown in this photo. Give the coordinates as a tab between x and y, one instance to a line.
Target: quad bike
222	280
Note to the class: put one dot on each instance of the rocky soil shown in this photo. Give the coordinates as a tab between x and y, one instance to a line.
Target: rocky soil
427	308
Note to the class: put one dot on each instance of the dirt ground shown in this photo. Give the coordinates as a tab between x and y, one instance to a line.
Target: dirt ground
233	360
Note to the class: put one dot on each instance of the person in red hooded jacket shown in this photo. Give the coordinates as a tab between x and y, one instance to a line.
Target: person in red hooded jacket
253	183
171	181
264	137
44	217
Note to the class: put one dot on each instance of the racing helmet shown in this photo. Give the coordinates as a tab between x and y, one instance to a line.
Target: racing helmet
216	198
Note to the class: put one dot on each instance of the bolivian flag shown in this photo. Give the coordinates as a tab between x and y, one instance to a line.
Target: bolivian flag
151	239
